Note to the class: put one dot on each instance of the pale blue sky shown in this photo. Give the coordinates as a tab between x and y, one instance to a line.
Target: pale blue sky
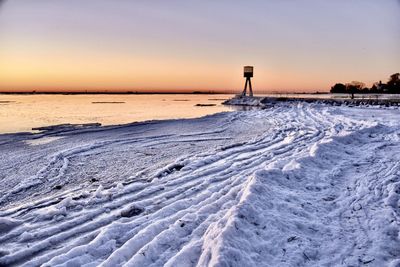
294	45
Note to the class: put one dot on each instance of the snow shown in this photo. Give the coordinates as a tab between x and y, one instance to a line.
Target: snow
7	224
296	184
42	140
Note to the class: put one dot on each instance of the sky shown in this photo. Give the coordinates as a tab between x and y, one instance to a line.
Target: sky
158	45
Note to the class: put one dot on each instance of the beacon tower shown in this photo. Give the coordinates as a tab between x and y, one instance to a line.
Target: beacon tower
248	74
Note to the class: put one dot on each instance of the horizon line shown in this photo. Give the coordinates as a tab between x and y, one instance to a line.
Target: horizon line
150	92
177	91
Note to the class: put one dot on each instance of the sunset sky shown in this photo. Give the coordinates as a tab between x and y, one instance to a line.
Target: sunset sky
144	45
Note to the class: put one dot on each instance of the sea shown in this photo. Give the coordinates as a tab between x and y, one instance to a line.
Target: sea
22	113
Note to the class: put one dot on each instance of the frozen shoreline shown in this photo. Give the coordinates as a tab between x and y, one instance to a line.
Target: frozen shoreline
303	184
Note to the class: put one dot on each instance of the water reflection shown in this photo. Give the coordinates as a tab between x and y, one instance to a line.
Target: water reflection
21	113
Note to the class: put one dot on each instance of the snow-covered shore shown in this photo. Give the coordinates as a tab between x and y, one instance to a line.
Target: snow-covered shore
268	101
297	184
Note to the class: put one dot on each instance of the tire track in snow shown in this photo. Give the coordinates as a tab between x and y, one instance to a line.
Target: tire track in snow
180	209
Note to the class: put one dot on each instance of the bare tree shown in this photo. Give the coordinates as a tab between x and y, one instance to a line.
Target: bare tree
394	78
354	87
394	83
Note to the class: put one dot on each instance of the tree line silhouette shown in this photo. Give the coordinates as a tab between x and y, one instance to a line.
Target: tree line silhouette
356	87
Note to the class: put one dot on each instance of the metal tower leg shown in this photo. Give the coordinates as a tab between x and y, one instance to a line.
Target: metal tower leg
251	89
245	88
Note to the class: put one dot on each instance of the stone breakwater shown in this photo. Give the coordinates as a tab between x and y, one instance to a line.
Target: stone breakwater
268	101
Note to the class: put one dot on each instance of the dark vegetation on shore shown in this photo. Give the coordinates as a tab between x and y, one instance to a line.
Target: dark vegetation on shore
356	87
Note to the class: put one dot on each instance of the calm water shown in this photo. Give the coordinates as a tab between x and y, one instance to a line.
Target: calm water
21	113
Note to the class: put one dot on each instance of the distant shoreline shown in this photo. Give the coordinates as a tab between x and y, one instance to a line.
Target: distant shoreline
156	93
114	93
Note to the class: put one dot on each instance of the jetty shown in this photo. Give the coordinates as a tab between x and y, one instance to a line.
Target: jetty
265	101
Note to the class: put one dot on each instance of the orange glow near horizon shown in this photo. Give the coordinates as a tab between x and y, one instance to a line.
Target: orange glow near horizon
89	71
85	72
82	70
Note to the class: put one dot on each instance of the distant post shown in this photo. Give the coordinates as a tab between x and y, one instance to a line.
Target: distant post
248	74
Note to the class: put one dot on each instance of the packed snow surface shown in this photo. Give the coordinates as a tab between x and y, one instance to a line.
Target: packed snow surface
293	185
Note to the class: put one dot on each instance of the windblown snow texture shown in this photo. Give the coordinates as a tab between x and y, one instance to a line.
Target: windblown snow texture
293	185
